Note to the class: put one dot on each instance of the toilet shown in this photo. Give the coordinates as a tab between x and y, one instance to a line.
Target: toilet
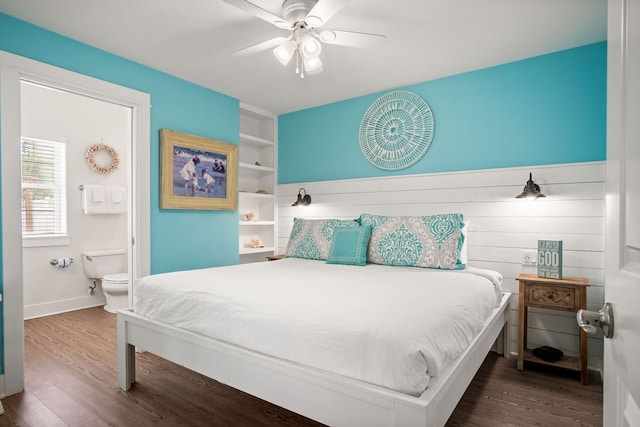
107	266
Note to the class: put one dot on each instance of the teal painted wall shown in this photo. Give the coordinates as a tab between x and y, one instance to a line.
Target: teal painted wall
179	239
176	104
545	110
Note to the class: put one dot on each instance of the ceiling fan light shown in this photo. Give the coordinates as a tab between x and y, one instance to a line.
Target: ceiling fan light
310	47
312	65
315	71
285	52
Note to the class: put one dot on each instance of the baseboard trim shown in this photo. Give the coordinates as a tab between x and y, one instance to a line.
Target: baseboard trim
62	306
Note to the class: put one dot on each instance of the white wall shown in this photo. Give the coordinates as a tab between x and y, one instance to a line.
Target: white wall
82	122
501	226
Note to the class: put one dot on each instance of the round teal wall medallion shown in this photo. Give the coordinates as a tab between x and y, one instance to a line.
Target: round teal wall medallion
397	130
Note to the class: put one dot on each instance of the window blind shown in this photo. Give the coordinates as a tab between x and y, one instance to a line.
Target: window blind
44	194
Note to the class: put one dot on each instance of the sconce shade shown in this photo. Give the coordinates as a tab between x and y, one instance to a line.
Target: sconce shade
302	200
531	190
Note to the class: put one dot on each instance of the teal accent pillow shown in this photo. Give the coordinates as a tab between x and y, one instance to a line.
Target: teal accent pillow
433	241
350	246
312	238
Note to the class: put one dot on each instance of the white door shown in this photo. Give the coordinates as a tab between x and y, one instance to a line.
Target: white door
622	265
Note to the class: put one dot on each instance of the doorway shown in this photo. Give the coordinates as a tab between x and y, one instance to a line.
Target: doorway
13	70
58	128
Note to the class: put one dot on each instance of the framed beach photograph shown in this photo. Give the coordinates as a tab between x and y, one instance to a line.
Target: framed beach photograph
197	172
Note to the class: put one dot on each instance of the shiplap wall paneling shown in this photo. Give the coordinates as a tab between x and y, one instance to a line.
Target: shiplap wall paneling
501	226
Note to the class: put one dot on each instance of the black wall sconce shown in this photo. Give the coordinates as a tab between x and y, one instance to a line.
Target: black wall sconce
531	190
302	200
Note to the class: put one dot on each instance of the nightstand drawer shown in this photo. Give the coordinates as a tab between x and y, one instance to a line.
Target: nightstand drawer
552	296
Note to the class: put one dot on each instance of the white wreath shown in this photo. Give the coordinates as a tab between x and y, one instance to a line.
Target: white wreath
110	151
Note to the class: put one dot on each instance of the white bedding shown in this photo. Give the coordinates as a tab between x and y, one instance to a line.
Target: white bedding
389	326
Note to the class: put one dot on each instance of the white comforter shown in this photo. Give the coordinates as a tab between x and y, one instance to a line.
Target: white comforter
389	326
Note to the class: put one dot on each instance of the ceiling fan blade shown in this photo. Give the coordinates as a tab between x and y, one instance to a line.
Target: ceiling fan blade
269	44
259	12
352	39
323	11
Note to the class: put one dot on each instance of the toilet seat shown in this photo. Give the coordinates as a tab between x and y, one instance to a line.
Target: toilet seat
116	278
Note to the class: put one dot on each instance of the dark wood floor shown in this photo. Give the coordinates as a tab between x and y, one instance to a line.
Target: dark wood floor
70	380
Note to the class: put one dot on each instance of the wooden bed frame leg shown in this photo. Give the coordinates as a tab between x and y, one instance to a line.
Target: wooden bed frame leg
126	356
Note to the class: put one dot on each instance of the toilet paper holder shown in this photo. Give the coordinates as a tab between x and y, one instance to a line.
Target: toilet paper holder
54	261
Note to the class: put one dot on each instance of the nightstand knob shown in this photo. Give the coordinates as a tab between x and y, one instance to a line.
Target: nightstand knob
589	321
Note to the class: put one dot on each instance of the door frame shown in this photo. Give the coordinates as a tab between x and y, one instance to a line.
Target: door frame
13	69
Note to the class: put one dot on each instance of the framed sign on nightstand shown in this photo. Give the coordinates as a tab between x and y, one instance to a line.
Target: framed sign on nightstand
550	259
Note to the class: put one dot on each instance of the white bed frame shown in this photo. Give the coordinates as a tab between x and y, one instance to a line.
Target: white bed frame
325	397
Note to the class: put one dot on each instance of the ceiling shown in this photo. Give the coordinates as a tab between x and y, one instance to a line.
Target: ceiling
426	40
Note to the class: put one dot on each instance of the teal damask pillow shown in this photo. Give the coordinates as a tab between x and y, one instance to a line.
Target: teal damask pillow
350	246
312	238
433	241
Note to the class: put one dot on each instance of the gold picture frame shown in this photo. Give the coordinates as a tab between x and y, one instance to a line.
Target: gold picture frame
197	173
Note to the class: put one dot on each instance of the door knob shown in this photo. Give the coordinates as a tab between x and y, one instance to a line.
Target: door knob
590	321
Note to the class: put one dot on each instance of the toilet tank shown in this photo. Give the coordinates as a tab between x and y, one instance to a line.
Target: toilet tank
97	264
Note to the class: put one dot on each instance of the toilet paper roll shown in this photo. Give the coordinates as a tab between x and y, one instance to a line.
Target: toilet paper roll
63	262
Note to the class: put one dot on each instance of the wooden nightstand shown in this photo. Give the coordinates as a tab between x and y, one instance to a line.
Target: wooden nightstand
568	294
274	257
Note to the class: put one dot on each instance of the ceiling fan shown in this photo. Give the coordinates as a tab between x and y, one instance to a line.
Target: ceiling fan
303	18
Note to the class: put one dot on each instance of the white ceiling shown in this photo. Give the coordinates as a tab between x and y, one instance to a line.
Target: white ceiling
426	39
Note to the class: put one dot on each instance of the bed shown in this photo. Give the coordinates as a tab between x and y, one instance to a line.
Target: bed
341	344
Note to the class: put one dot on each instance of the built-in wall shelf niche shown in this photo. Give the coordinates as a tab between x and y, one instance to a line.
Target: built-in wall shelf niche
257	183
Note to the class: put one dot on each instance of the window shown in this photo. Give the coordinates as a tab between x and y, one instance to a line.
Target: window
44	193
